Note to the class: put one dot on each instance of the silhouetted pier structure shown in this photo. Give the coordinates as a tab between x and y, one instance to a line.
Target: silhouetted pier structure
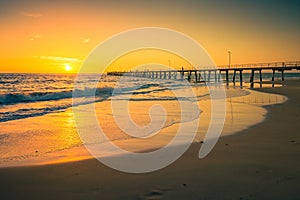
213	74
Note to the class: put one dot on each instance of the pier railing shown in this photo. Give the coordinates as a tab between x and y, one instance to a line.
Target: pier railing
289	64
209	73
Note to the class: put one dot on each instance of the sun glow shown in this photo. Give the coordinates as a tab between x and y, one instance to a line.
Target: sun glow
68	67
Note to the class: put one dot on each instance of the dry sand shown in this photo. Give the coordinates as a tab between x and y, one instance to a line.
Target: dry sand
261	162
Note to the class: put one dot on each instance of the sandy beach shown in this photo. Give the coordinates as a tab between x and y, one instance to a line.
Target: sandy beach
261	162
149	100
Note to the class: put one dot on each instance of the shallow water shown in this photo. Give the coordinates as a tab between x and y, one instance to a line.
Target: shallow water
37	138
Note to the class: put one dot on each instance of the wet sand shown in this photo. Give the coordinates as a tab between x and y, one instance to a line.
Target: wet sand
261	162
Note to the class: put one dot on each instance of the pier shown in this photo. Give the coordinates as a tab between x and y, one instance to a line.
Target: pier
214	73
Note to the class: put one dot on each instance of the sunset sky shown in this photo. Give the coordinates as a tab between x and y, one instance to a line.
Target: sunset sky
55	36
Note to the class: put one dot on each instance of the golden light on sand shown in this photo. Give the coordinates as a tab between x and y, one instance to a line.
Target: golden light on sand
68	67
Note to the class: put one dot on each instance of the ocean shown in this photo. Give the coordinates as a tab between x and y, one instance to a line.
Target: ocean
36	116
30	95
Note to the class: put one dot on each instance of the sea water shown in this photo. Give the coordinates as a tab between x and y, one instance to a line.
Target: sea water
36	117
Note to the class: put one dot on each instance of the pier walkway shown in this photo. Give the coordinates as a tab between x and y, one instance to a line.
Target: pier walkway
214	73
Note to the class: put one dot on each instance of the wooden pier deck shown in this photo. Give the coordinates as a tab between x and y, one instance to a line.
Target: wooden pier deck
213	73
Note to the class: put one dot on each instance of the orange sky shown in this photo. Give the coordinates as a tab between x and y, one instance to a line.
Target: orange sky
47	36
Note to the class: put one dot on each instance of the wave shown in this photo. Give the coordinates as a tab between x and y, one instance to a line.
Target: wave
32	104
46	109
14	98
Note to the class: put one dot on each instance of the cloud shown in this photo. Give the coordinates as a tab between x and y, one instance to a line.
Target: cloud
35	37
33	15
85	40
58	58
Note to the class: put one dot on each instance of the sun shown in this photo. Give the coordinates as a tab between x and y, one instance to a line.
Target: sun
68	67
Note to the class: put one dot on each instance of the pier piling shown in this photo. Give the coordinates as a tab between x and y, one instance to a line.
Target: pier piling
233	78
273	77
206	73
